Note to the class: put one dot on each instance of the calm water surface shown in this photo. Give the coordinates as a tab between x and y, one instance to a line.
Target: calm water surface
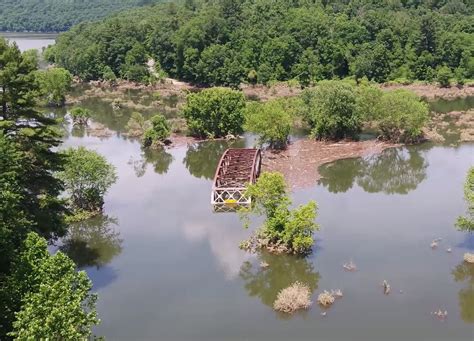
27	41
167	268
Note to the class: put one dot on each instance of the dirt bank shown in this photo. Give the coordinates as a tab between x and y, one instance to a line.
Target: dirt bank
433	91
301	160
171	86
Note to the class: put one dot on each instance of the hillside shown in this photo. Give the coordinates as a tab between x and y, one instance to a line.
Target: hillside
226	42
58	15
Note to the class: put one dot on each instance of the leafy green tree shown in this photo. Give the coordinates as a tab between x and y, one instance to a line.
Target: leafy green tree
225	42
368	101
293	229
80	116
33	136
53	300
54	83
466	223
215	112
14	224
402	116
87	176
271	121
332	111
158	132
443	76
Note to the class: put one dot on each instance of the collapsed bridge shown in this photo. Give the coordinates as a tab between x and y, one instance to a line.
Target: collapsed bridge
238	167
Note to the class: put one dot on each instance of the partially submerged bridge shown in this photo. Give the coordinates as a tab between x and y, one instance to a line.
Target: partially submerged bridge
237	168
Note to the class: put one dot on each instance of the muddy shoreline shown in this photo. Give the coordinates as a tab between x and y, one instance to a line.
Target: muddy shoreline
283	89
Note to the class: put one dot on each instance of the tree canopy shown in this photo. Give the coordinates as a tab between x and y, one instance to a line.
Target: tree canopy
225	42
58	15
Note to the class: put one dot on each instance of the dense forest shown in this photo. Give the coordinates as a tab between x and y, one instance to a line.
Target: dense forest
226	42
57	15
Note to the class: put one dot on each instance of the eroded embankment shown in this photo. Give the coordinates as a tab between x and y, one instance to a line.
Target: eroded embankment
301	160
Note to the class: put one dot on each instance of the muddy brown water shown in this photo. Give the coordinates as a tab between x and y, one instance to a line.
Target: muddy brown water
167	268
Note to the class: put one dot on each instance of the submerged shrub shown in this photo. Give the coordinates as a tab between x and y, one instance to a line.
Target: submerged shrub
284	230
402	116
87	176
158	132
295	297
331	111
326	298
80	116
271	121
466	223
215	112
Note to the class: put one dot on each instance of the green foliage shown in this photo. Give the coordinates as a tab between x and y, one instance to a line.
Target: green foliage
28	139
14	223
87	176
402	116
466	223
158	132
58	15
54	83
215	112
108	74
268	194
331	110
80	116
54	300
292	228
214	43
271	121
368	101
443	76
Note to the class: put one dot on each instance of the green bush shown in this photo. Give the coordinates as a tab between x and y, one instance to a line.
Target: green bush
158	132
292	229
271	121
331	110
402	116
466	223
368	102
87	176
443	76
215	112
80	116
54	83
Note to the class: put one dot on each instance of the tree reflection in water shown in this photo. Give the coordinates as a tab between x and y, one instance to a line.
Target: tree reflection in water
202	158
283	270
464	272
93	242
395	171
159	158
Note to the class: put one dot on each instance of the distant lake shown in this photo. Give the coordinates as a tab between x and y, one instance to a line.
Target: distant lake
27	41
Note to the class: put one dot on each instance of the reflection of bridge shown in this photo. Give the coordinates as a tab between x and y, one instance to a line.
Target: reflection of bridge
237	168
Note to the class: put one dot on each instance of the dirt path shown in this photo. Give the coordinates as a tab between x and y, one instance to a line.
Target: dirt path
300	161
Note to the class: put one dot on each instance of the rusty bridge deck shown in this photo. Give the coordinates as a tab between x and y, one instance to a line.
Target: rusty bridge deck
237	168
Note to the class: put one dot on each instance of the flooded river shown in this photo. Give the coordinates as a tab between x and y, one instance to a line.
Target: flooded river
167	268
